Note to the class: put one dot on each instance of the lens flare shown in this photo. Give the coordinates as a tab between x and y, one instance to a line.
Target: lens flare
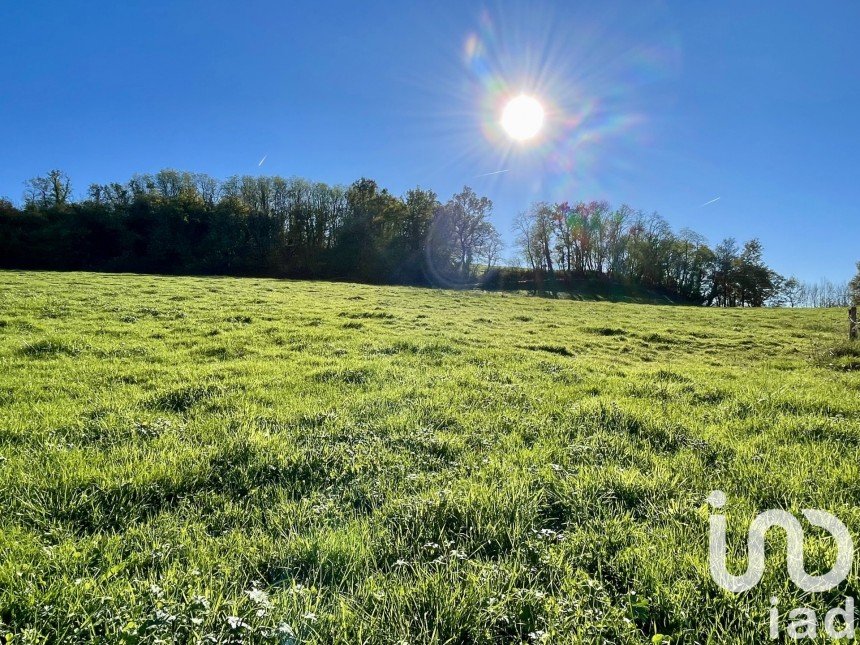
567	109
604	79
522	117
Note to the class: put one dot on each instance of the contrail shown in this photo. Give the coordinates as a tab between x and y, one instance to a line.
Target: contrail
495	172
264	158
715	199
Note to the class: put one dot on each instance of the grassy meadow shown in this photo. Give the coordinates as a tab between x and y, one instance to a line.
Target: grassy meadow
248	460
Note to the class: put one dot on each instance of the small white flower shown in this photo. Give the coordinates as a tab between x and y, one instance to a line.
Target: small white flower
236	623
310	616
200	601
259	596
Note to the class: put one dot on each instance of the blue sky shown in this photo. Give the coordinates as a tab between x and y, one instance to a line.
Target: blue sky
663	105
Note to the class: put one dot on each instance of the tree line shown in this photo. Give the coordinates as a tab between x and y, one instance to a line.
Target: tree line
824	293
563	241
181	222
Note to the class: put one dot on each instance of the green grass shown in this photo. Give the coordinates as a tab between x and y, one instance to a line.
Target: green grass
277	461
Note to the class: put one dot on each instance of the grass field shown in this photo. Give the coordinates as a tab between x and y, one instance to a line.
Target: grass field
226	460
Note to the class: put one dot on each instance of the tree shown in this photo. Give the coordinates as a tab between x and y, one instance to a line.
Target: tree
690	261
650	244
854	287
754	281
52	190
527	241
792	291
616	241
543	215
359	243
588	227
562	229
492	249
540	230
420	206
722	284
464	218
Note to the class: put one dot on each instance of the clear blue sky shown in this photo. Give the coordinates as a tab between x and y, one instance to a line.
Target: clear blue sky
665	106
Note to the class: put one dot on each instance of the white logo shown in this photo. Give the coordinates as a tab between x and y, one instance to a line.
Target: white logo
805	621
794	556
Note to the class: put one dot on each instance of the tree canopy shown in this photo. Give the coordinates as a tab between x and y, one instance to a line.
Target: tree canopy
854	287
591	239
182	222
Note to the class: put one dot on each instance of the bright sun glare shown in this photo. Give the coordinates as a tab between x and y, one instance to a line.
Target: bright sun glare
522	117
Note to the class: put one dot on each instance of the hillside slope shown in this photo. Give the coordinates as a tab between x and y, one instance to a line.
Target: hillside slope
265	460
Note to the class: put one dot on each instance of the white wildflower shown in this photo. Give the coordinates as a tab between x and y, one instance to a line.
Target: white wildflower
259	596
236	623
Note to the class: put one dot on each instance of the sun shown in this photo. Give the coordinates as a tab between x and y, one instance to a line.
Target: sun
522	117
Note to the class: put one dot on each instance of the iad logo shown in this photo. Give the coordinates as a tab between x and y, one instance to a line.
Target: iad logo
794	557
805	623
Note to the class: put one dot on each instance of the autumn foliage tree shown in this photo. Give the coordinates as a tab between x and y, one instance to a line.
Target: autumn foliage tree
591	240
